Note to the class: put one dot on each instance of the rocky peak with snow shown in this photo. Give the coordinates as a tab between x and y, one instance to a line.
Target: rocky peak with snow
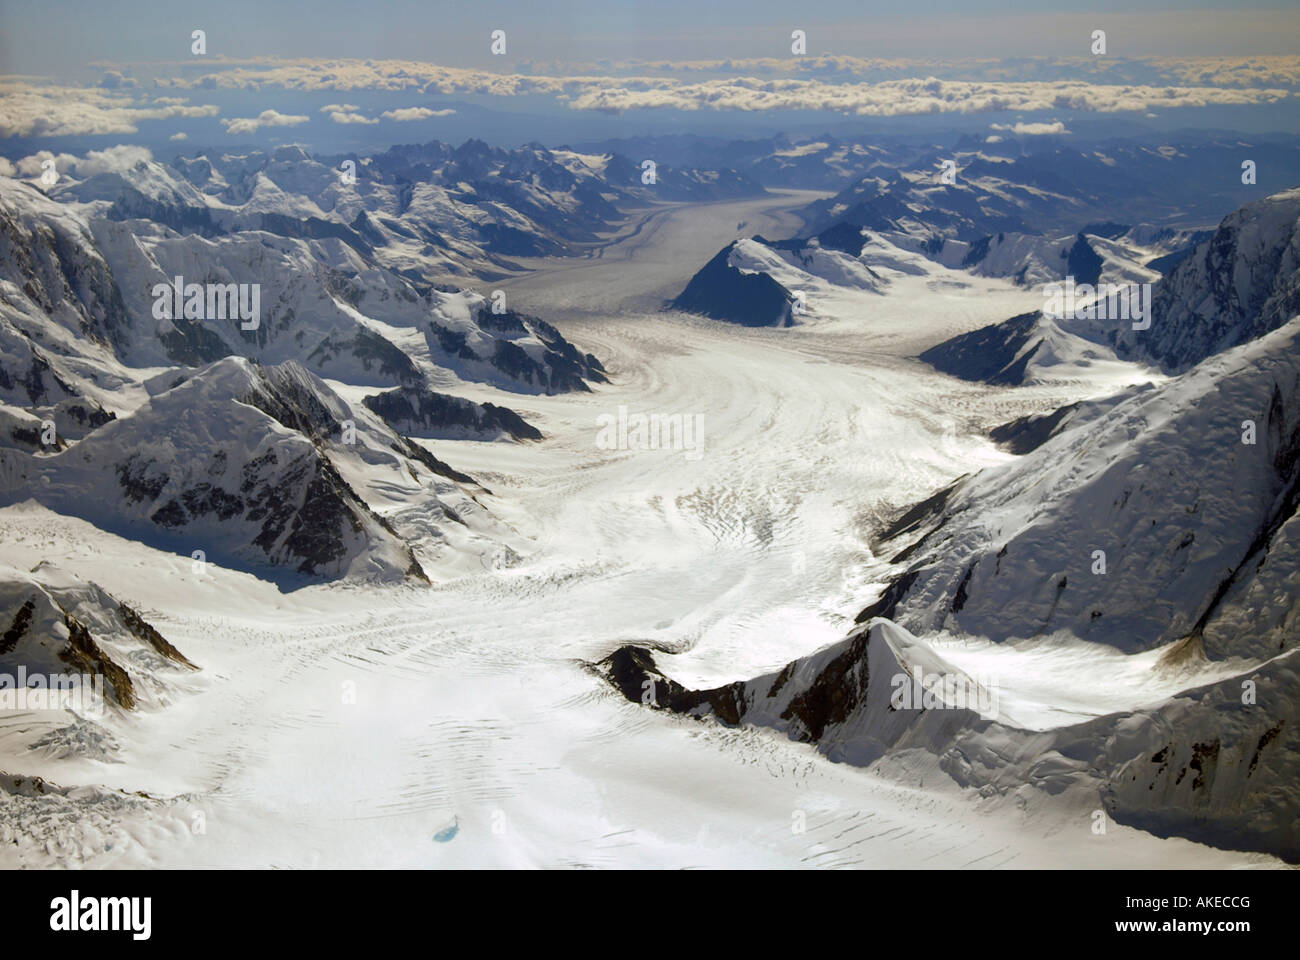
1238	285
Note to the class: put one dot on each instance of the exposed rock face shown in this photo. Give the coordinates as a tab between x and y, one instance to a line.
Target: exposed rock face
1205	764
520	352
839	698
723	292
1028	433
1234	287
1082	262
424	413
996	354
234	461
237	448
57	625
1237	286
1159	480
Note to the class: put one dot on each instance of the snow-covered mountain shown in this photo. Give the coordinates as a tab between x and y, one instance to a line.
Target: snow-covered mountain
429	212
1144	524
1014	217
729	287
60	298
1203	763
123	403
1158	480
513	350
238	462
424	413
823	162
1147	177
1159	525
1240	282
57	625
1027	348
1045	187
757	282
1185	488
1102	616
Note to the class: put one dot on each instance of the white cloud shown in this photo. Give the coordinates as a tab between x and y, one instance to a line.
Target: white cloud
403	114
1031	129
848	85
344	116
830	84
113	80
7	169
34	165
179	136
396	75
346	113
267	118
30	109
1218	71
119	159
900	97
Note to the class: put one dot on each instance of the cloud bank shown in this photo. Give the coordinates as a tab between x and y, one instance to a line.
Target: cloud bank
29	109
847	85
824	83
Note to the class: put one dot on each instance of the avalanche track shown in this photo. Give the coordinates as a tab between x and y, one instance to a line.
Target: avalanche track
347	726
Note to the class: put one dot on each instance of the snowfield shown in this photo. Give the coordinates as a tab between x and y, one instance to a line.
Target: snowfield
462	724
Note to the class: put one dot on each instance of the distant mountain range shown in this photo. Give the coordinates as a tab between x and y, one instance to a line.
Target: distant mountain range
125	403
1034	212
427	212
1196	174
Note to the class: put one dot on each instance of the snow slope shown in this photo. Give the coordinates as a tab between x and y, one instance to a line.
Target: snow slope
1237	285
1206	763
1161	519
1159	480
249	465
349	723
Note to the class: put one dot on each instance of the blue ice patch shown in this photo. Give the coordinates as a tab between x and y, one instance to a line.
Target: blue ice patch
447	832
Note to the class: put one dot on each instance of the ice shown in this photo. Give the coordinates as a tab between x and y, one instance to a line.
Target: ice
347	725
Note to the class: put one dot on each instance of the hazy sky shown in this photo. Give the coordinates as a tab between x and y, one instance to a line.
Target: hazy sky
54	37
